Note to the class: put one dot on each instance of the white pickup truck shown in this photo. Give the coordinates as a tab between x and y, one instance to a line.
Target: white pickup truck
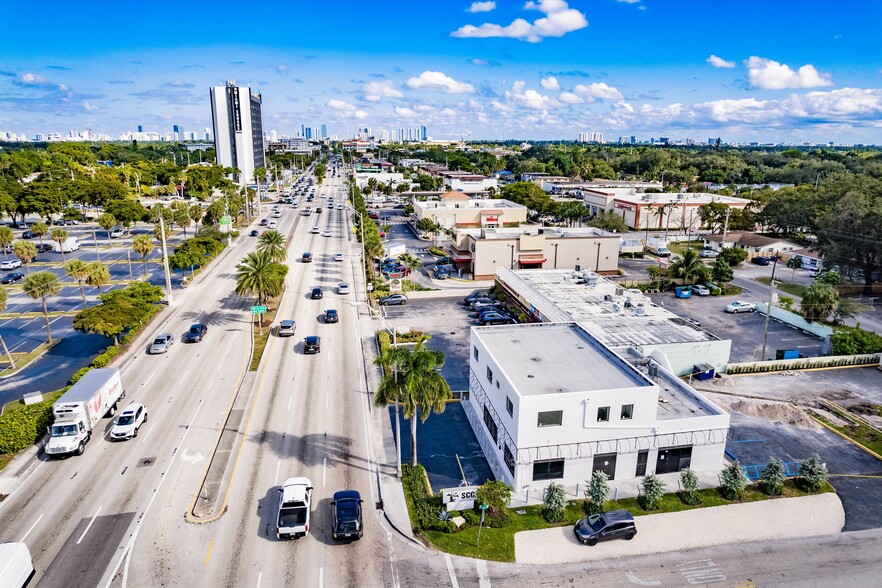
295	501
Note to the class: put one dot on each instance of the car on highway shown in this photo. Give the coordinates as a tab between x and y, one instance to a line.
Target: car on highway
286	328
606	526
312	344
343	288
273	224
339	207
128	423
709	253
494	318
254	232
306	257
346	515
10	264
161	344
392	299
12	278
277	214
315	231
295	503
338	257
740	306
316	294
196	333
327	233
331	316
264	222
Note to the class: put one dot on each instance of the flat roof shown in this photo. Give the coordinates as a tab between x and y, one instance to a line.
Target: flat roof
555	358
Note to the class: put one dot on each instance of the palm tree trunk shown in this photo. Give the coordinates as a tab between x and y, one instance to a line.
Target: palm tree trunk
8	355
46	316
145	265
413	445
398	435
83	292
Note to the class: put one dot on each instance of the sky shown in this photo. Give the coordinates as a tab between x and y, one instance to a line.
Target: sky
744	70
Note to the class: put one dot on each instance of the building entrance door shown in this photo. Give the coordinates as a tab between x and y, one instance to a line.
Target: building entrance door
673	459
642	458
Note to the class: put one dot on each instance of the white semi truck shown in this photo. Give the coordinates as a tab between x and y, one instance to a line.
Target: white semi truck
78	411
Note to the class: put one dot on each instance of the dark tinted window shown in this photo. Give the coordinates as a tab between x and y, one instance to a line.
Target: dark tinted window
548	470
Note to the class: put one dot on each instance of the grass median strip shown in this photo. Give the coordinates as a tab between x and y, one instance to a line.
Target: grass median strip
261	336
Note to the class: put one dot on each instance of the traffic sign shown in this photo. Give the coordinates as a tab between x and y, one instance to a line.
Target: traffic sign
483	506
225	220
258	309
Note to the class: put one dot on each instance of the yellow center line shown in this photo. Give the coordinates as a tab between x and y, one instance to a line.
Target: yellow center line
210	551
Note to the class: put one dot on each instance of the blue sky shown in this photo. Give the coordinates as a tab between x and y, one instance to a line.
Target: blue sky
748	70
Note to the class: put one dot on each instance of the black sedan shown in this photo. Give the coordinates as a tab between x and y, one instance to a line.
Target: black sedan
196	333
12	278
331	316
346	510
312	344
316	294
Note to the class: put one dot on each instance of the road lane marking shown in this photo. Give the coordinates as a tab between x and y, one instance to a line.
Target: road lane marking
702	571
278	467
148	378
321	577
89	526
144	438
259	577
290	398
450	571
324	470
483	578
181	381
25	536
632	577
210	551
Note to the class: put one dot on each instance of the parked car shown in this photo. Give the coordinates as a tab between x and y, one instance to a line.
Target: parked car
196	333
474	295
606	526
342	288
312	344
494	318
12	278
44	248
331	316
128	423
700	290
761	260
286	328
444	261
316	294
392	299
28	235
306	257
161	344
484	302
709	253
441	272
740	306
117	232
346	515
10	264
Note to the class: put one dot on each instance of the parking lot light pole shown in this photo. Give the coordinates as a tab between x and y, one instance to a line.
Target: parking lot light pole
769	307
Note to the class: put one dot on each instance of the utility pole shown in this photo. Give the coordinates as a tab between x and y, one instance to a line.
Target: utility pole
168	286
725	228
769	307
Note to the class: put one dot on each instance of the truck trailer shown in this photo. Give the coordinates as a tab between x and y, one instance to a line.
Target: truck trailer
69	245
658	246
78	411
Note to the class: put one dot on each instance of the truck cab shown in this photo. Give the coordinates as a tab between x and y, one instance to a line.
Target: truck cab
295	498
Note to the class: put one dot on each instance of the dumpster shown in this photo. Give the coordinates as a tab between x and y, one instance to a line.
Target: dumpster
702	371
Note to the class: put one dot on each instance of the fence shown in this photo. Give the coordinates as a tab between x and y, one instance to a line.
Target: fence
834	361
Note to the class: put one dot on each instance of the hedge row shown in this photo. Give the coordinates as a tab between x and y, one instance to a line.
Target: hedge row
427	507
25	426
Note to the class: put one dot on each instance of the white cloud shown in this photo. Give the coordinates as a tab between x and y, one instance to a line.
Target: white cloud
345	109
482	6
720	62
550	83
435	80
282	69
529	98
570	98
376	91
90	107
559	20
405	112
629	1
30	79
771	75
591	93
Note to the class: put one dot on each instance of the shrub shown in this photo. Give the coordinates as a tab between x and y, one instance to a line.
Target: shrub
596	493
812	474
733	481
25	426
79	374
555	499
103	359
496	521
471	517
773	477
651	493
495	494
689	491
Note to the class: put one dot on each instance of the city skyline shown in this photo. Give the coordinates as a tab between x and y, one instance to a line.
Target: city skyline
485	70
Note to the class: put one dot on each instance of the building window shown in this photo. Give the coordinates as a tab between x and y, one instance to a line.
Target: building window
491	424
489	374
476	353
551	418
509	406
509	459
602	414
627	412
548	470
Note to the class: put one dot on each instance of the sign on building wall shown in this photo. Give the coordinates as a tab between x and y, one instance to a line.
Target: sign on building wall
459	498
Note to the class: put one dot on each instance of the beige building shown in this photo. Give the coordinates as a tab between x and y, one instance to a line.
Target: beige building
482	251
666	210
457	210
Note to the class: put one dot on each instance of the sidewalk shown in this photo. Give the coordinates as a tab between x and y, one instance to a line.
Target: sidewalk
784	518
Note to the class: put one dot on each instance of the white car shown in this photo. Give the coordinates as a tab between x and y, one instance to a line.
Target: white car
342	288
315	230
338	257
128	423
117	232
740	306
326	234
273	224
10	264
709	253
277	214
339	207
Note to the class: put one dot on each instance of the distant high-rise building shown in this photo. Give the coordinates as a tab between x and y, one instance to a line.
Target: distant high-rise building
237	121
583	137
424	133
140	129
207	136
308	131
324	134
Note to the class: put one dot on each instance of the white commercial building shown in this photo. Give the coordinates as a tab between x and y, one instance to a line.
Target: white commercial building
237	121
549	402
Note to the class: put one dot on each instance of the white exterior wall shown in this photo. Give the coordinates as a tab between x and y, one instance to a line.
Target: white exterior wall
361	179
471	186
226	139
683	356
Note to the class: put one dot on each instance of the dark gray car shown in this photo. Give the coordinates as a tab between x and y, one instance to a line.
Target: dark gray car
615	524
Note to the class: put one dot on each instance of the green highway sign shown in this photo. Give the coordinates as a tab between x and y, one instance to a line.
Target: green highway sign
258	309
225	220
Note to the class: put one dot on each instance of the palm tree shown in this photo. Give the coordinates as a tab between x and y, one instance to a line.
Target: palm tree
42	285
143	246
78	270
391	389
689	267
818	301
59	236
2	342
6	239
97	274
182	219
107	221
273	243
411	262
196	213
26	252
258	275
39	229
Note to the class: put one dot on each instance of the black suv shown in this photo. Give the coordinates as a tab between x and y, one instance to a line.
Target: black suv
195	334
312	344
331	316
346	507
316	294
615	524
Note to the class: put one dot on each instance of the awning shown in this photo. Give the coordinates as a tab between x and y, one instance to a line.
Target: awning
460	258
531	259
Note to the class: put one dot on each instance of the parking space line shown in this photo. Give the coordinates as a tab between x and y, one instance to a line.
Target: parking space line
483	578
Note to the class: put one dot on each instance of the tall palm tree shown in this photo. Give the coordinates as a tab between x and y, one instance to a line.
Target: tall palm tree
143	246
6	239
59	236
258	275
39	229
391	389
26	252
196	213
2	342
40	286
689	267
273	243
182	219
78	270
97	274
107	221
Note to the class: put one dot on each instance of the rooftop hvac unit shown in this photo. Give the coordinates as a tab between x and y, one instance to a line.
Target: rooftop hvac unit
590	279
616	307
653	369
607	297
620	291
640	310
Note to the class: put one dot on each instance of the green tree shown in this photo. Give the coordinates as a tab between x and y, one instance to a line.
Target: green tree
3	300
794	263
161	228
40	286
392	389
609	221
555	502
855	341
39	229
733	255
196	213
689	487
850	233
126	211
97	275
818	302
427	225
833	278
59	236
721	272
143	246
273	244
411	262
651	492
107	221
733	481
26	252
846	308
689	267
597	492
258	275
773	477
182	219
6	239
79	271
812	474
496	494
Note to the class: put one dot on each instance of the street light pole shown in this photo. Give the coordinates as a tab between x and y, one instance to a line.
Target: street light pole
769	307
168	286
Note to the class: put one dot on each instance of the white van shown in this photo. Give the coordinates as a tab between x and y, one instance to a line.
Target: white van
16	566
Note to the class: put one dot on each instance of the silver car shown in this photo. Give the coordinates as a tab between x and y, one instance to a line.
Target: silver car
161	344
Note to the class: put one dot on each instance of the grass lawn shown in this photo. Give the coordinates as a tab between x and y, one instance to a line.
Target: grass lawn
732	290
262	335
682	246
17	404
23	359
792	289
855	430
